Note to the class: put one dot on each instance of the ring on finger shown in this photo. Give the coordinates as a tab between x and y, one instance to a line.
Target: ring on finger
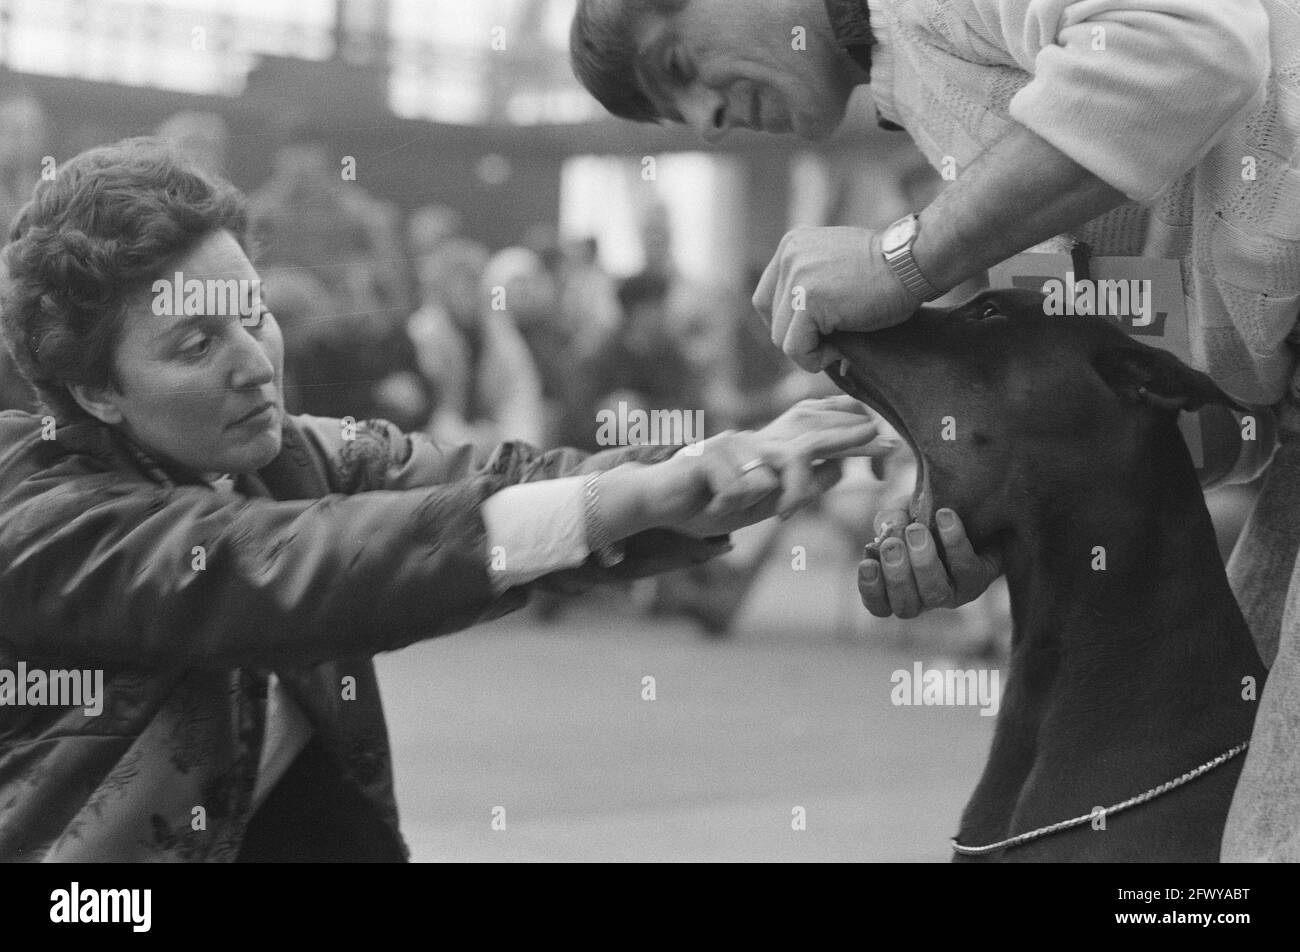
753	464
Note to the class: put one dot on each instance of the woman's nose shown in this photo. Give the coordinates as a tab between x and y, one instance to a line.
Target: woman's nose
252	365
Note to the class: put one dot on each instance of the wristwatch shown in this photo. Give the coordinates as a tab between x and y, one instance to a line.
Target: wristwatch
896	246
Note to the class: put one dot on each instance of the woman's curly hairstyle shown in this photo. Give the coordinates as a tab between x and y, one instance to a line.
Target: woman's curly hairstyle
87	243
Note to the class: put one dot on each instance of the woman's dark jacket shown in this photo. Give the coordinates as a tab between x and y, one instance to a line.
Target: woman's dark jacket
187	597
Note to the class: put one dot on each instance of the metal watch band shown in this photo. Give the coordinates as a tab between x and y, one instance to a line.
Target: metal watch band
904	266
902	263
599	540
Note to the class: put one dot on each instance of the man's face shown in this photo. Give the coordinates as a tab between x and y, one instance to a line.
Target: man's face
202	390
765	65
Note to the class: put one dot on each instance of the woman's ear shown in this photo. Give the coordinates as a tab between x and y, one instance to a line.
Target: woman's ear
97	402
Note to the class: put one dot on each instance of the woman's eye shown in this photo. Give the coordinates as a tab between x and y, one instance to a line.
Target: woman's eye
258	322
196	346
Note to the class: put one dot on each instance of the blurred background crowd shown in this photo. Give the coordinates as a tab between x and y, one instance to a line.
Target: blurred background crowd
452	236
455	238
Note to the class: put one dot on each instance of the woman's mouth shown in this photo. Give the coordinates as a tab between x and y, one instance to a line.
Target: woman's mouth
259	416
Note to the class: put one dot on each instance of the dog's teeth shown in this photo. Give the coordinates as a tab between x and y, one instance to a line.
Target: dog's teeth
844	367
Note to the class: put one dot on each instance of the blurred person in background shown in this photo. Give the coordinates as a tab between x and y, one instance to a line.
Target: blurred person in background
518	284
24	135
486	388
352	356
24	140
339	364
307	215
202	135
427	227
588	297
644	362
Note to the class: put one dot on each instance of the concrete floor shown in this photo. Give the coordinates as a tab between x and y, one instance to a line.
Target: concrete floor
793	710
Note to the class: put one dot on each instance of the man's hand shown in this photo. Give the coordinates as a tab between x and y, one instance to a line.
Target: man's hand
911	578
823	280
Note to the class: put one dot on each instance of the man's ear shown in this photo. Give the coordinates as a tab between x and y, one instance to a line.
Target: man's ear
95	402
1142	374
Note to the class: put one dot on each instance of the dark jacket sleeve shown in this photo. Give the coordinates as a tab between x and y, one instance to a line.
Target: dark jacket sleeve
378	455
100	565
101	570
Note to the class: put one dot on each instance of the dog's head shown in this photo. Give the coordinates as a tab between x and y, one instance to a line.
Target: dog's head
1006	407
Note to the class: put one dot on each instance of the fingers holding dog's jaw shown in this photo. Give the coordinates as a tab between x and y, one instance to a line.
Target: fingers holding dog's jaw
932	583
910	577
972	572
899	582
871	586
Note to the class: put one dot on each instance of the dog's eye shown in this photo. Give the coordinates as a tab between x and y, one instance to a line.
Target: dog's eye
989	309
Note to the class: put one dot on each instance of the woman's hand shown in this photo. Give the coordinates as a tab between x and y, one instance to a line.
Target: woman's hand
735	479
910	577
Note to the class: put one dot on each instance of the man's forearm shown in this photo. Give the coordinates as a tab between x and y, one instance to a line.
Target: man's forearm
1020	192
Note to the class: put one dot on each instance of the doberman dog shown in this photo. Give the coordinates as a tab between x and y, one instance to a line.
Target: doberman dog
1131	664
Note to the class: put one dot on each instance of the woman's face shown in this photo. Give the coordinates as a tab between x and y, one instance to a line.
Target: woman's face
202	390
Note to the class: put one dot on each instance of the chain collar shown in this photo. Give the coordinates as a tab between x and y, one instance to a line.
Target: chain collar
1141	798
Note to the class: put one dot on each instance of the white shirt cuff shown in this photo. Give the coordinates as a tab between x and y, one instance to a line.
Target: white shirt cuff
534	529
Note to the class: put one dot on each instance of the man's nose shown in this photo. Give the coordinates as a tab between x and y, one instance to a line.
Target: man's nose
705	111
251	363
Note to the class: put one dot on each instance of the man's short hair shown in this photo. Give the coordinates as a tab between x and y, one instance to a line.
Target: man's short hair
607	60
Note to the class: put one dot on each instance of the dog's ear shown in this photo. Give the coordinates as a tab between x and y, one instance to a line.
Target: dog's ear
1142	374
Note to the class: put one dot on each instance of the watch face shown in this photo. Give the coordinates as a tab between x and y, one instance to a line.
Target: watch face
897	235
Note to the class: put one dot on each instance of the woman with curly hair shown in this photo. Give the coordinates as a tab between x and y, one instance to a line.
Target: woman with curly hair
230	570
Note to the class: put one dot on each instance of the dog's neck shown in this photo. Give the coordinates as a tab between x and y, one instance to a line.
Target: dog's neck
1126	672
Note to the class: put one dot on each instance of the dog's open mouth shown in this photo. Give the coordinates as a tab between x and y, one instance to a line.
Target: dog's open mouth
855	383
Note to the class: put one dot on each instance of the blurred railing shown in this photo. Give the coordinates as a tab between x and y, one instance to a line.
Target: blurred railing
209	46
186	47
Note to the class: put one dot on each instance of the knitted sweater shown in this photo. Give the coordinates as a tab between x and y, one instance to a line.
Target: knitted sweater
1190	107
